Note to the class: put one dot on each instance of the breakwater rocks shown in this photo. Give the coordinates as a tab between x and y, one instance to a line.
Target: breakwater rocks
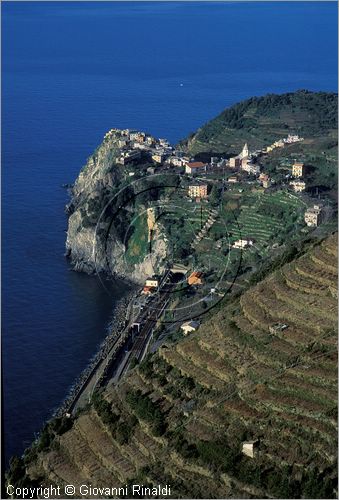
115	327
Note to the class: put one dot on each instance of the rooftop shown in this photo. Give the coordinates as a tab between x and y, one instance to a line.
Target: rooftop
192	324
196	274
196	164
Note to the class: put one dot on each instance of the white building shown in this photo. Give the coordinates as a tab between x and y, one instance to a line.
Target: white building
249	448
189	326
152	282
129	156
244	153
242	243
293	138
195	167
298	186
251	168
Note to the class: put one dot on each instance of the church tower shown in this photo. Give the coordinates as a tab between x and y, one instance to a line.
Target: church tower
244	152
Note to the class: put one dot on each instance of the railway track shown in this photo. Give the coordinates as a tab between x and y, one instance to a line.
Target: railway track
99	375
139	347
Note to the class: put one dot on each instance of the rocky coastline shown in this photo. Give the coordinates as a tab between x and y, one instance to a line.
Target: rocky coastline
115	326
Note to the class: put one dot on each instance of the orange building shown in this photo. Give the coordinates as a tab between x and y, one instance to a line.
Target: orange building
195	278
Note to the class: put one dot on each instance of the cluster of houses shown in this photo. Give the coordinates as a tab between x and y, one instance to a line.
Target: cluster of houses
135	145
195	279
290	139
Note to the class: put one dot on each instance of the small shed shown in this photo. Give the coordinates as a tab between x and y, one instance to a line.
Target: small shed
250	448
190	326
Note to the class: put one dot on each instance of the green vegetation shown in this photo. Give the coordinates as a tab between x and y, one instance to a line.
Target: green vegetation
120	427
186	410
146	410
267	216
137	240
262	120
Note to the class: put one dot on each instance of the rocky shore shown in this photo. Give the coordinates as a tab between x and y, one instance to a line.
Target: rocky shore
115	326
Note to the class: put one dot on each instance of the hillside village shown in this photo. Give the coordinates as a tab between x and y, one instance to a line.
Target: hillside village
136	147
221	375
264	208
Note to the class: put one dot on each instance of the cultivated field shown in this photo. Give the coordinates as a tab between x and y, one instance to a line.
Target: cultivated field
234	380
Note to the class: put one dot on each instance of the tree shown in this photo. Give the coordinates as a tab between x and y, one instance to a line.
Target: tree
215	195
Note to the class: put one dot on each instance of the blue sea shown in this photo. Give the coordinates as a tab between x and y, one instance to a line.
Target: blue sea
71	71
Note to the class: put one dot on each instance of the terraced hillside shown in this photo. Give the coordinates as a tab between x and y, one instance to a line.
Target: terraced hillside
261	120
258	219
180	417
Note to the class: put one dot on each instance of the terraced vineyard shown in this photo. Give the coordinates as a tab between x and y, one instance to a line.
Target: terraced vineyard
189	407
252	224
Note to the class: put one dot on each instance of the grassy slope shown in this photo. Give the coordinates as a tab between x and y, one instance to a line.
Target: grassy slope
261	120
245	384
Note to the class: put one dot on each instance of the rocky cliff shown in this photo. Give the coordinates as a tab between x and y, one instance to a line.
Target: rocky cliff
101	222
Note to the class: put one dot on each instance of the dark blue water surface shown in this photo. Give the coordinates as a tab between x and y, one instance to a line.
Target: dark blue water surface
71	71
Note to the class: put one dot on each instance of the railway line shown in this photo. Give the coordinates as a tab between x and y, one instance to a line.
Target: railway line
130	344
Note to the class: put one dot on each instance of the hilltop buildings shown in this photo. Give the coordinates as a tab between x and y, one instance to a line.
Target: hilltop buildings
129	156
245	161
158	156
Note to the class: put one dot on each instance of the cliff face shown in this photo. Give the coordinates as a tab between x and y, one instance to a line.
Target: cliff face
98	231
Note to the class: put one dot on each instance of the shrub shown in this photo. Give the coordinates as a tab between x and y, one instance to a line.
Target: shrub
145	409
218	455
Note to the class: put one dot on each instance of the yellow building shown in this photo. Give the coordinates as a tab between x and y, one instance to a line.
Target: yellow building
158	157
197	191
298	169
